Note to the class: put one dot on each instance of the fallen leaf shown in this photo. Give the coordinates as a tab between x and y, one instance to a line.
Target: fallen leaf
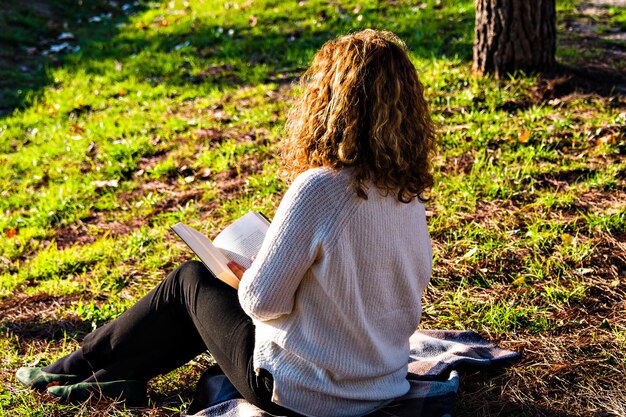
92	149
519	281
54	109
205	172
182	45
220	116
470	253
106	184
567	239
524	136
610	139
12	232
77	129
65	36
60	47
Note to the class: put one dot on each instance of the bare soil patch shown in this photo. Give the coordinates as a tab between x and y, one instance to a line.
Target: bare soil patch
561	180
82	231
231	183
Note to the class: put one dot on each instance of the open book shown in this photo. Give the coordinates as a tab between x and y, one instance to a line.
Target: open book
238	242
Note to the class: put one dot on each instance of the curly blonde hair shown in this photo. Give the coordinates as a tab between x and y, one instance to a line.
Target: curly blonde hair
362	106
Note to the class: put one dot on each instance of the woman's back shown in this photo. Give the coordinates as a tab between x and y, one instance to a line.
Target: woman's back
339	336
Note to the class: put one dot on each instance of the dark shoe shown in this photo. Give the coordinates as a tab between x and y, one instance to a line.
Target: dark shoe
130	391
38	379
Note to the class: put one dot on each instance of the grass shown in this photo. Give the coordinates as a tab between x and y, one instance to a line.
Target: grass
155	113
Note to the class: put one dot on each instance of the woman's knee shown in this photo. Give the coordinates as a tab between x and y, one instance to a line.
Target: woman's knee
191	273
186	276
193	266
190	278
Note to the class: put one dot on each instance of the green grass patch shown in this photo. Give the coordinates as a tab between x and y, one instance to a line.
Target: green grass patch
160	112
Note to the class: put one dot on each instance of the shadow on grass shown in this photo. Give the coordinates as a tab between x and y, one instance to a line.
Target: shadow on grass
46	331
101	38
35	37
33	318
566	80
94	38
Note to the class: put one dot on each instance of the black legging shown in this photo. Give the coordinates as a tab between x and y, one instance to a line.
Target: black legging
186	314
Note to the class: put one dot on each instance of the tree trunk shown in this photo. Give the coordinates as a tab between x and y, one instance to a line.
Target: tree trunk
514	35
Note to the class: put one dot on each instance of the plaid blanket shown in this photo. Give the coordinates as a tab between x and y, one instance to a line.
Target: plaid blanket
437	357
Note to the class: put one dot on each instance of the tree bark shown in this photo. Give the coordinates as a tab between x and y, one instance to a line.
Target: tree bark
514	35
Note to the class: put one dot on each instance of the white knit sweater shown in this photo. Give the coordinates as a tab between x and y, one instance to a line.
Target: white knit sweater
335	293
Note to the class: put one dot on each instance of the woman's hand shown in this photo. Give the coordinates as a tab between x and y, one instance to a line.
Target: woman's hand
237	269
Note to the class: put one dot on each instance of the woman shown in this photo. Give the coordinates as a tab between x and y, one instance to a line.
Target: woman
321	322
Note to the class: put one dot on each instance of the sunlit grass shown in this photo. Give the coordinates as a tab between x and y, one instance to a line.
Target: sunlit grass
173	111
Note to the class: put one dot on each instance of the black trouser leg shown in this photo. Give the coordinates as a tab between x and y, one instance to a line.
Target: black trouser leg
187	313
155	335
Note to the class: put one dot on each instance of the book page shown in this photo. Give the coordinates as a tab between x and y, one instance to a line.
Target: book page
242	240
207	252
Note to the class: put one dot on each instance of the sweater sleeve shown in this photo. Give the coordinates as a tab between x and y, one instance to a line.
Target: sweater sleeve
267	290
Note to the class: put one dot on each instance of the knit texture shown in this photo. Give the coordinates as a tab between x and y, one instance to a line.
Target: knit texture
335	293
